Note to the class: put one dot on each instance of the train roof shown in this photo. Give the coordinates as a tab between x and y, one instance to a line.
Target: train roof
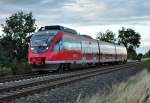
58	27
86	36
109	43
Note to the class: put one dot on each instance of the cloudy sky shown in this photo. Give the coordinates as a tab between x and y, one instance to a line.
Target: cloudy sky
86	16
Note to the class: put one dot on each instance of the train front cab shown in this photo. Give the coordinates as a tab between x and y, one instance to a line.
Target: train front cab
62	50
40	49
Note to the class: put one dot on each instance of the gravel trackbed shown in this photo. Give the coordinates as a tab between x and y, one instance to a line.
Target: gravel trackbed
80	89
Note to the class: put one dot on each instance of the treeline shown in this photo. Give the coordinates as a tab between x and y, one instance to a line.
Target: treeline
126	36
17	30
147	54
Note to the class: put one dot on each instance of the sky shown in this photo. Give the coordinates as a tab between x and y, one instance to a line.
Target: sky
86	16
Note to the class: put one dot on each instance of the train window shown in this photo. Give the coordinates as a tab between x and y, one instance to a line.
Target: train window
71	45
47	32
67	45
107	49
41	40
121	50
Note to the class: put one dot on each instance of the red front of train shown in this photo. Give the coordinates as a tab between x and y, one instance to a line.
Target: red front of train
46	49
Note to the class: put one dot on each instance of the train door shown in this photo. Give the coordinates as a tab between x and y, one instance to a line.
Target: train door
86	51
95	51
115	53
98	54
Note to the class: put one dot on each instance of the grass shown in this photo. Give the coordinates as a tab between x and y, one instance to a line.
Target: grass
135	90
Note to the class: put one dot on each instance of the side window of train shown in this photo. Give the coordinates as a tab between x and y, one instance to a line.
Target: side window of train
65	44
71	44
63	40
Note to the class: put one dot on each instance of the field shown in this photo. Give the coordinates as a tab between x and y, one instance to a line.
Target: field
135	90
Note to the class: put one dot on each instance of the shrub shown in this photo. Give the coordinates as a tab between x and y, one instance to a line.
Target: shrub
20	68
15	68
5	71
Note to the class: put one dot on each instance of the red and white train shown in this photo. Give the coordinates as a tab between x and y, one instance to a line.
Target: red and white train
56	47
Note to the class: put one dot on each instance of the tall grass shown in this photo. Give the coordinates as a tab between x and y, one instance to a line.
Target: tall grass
135	90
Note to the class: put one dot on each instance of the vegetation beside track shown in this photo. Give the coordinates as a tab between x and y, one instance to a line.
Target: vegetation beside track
135	90
35	85
15	68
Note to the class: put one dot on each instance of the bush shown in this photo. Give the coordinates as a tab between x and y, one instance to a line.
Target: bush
5	71
15	68
20	68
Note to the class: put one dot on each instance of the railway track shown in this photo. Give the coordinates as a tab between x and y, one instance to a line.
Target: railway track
22	88
18	77
30	76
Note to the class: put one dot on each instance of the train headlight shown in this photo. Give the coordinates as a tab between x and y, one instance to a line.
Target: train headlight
32	48
46	48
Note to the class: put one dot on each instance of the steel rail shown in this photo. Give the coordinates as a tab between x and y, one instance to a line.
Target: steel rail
58	76
28	76
38	86
20	77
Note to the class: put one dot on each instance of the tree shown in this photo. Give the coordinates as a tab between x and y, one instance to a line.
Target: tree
131	41
132	53
108	36
3	56
17	28
139	56
129	37
147	54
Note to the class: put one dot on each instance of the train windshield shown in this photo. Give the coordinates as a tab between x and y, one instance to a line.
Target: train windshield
41	40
